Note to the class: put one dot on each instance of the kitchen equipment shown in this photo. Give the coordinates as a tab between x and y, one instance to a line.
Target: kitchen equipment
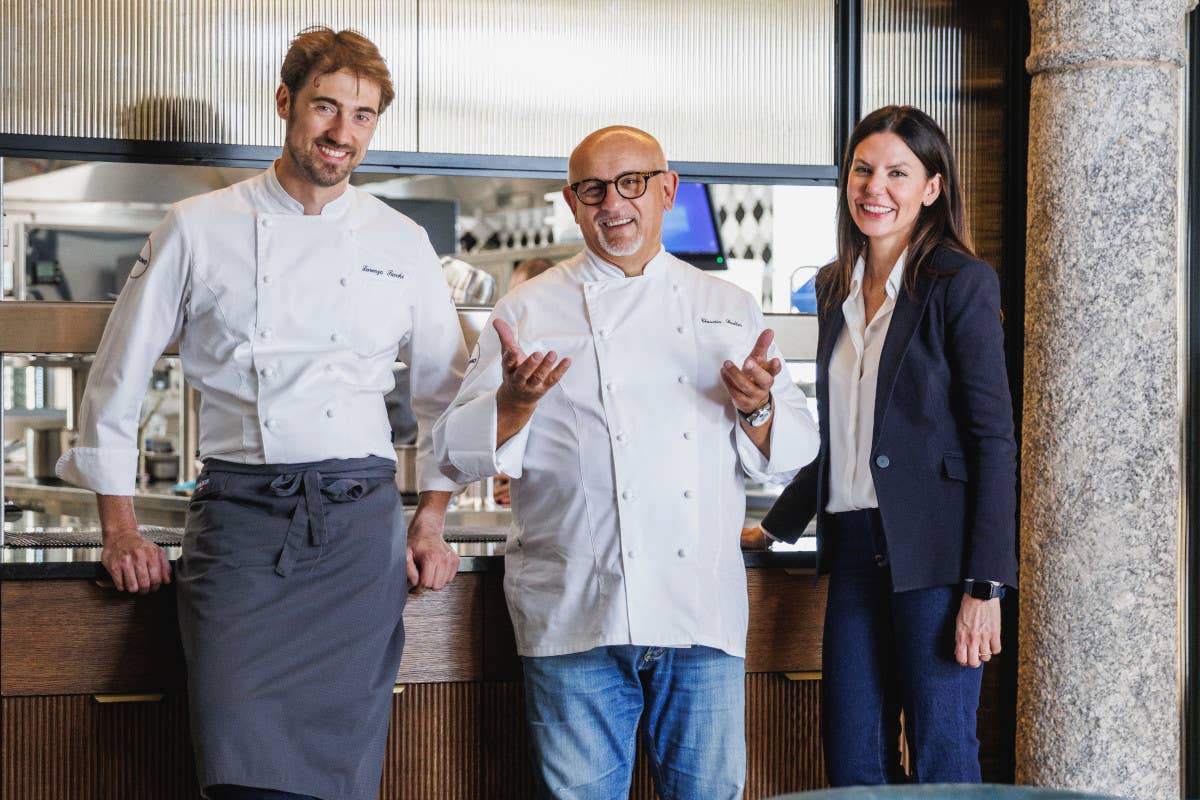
162	466
406	468
43	446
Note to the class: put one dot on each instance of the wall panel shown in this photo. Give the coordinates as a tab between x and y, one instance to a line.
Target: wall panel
949	59
715	81
180	70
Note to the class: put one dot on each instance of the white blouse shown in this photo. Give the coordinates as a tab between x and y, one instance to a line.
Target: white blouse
853	372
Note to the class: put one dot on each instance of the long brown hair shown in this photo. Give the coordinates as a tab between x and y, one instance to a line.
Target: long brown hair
942	223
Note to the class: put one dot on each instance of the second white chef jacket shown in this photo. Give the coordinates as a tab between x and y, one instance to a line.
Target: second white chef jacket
288	325
628	480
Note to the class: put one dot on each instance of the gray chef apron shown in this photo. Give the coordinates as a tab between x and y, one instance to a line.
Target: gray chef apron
291	588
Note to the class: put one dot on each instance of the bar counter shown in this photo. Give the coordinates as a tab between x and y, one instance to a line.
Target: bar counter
93	701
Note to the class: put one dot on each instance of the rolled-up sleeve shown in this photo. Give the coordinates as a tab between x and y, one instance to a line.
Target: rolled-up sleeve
466	433
437	357
794	439
147	316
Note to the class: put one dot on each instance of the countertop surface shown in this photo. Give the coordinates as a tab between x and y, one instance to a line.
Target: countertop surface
477	536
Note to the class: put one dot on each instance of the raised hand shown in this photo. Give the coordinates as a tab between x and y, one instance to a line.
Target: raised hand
527	378
750	386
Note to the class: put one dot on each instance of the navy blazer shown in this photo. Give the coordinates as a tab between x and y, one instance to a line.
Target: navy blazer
943	456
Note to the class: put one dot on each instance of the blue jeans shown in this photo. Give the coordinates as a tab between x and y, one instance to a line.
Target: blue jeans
886	651
584	710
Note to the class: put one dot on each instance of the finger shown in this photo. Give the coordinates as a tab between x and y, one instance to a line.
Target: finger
774	366
166	565
556	376
960	649
738	378
757	375
543	371
154	570
527	367
414	577
739	395
131	582
994	643
143	574
117	574
764	342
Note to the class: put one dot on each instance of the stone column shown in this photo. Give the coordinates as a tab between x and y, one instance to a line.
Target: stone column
1099	672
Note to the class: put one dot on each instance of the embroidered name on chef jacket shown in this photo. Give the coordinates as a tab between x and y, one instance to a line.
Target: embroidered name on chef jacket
383	272
715	321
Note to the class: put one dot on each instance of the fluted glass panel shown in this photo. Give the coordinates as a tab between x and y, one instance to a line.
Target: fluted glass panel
181	70
715	81
948	58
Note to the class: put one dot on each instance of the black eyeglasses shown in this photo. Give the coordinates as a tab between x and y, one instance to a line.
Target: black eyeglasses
630	185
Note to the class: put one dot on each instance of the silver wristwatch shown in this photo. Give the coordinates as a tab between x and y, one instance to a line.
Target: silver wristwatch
760	416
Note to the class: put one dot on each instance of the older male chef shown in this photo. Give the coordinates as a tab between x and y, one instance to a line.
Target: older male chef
649	391
292	294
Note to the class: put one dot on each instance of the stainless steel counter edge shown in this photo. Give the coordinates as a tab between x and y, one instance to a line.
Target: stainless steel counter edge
31	563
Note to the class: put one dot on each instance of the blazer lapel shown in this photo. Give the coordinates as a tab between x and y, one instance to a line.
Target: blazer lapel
905	318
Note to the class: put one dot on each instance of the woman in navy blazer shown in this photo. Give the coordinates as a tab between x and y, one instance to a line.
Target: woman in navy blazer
915	496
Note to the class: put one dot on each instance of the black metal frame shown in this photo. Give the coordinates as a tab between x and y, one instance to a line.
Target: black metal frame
848	52
1191	425
401	163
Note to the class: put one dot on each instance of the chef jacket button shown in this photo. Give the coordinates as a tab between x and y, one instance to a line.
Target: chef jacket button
330	368
266	279
265	333
344	281
612	387
272	424
687	435
679	329
268	373
335	337
603	333
329	412
631	553
627	494
883	462
622	438
674	287
266	223
682	379
689	494
682	553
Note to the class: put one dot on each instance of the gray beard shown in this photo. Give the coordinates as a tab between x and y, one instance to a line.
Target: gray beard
621	251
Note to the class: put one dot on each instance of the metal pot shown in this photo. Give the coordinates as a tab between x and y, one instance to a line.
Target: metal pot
43	446
406	468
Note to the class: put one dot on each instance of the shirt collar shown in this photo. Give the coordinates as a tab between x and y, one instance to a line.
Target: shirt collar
895	278
285	203
599	270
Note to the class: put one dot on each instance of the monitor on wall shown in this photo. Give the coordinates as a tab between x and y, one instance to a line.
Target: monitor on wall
690	229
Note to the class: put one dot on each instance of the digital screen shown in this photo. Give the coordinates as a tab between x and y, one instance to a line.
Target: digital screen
689	227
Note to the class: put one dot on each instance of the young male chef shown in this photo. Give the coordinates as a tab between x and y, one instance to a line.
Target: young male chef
628	395
291	294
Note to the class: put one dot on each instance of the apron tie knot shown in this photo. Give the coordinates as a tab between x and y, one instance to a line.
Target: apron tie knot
309	515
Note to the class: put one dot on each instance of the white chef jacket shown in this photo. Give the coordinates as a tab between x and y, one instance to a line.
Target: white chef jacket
288	325
627	486
853	374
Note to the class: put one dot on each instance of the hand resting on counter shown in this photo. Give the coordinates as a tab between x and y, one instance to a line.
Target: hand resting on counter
135	563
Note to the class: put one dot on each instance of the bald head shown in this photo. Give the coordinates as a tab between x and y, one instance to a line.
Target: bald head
624	231
615	138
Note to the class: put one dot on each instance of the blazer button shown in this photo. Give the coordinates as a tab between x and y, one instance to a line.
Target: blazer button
883	462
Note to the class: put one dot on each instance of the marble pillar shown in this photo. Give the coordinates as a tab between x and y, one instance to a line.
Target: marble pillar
1099	697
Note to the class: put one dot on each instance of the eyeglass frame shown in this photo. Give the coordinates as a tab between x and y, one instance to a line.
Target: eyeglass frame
646	176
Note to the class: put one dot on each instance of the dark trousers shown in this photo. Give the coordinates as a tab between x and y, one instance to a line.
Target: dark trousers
229	792
886	651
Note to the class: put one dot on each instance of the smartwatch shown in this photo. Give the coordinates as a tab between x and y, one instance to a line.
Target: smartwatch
760	416
983	590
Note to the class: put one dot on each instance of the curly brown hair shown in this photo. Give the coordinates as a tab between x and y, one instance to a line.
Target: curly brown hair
320	51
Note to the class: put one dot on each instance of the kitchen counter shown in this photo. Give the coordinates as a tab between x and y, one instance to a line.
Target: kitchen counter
477	536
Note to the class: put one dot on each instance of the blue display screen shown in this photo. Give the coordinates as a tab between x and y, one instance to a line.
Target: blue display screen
689	226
